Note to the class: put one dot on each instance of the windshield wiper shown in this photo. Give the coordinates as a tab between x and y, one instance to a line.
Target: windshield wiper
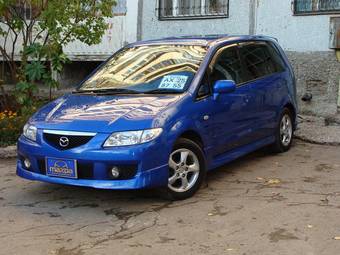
163	91
107	91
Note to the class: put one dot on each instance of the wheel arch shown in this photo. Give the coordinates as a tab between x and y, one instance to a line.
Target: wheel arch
193	136
292	109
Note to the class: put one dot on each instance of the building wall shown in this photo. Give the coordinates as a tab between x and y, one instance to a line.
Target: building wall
271	17
295	33
152	27
317	73
113	39
306	41
122	29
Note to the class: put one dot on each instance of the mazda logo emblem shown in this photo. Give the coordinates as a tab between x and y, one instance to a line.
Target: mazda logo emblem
64	141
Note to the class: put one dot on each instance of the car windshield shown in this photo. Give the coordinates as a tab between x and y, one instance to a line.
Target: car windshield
147	69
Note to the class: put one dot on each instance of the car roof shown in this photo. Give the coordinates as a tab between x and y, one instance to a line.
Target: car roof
203	40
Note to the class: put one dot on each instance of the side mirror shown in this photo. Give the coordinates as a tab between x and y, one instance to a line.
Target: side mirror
224	87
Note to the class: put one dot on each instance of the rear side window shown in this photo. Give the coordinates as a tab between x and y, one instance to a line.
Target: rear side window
259	60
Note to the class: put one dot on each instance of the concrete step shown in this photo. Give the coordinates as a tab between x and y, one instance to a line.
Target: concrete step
318	130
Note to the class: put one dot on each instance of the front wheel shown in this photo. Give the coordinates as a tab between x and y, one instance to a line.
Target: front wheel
284	132
186	169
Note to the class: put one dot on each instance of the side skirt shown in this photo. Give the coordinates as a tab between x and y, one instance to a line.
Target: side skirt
239	152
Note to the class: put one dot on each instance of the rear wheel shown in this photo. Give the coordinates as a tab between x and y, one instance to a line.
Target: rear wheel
284	132
186	169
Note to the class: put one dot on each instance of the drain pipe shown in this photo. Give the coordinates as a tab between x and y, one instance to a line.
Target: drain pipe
339	95
252	16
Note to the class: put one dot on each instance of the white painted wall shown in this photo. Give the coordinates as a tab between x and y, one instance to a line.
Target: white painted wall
122	30
153	28
273	17
131	21
112	40
295	33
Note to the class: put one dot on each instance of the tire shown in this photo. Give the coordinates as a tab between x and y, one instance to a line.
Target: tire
186	162
284	135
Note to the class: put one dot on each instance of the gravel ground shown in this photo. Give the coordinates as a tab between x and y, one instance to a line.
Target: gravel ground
8	152
261	204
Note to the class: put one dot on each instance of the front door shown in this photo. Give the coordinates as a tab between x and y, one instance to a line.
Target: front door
229	118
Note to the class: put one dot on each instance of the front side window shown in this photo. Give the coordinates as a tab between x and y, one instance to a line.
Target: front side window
144	69
258	60
205	88
310	7
227	66
182	9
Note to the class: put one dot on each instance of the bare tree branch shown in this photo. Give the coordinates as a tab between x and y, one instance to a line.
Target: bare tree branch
13	47
46	38
4	53
6	37
38	35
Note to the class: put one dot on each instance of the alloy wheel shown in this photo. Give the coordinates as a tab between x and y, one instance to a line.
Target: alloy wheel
286	130
184	170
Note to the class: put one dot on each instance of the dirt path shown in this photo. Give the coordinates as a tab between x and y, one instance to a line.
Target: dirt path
261	204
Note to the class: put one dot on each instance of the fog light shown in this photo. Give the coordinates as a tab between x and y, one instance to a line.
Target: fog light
27	163
115	172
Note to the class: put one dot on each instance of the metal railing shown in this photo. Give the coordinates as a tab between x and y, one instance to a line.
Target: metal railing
316	6
191	9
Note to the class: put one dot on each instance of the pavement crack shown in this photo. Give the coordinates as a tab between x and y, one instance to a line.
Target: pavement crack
34	228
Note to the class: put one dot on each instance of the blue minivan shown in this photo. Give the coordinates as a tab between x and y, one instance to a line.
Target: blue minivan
162	113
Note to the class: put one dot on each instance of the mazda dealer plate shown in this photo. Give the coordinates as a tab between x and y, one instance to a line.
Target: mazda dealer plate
65	168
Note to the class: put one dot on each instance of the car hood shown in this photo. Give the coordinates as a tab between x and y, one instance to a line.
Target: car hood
105	114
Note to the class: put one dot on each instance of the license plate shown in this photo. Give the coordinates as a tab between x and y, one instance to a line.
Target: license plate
65	168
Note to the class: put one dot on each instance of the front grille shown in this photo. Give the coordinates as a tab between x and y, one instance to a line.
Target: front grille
65	142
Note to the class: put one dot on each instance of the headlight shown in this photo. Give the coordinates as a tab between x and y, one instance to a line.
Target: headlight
30	132
132	137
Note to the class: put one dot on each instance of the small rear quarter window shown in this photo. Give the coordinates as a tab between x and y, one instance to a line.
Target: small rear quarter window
277	58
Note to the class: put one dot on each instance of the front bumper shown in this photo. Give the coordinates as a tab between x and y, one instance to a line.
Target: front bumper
147	179
149	160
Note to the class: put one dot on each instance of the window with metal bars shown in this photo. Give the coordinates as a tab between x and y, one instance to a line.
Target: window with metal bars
192	9
23	10
310	7
120	8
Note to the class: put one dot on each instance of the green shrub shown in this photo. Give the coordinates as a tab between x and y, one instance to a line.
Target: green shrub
12	123
10	127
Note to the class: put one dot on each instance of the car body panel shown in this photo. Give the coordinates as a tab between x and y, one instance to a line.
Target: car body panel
229	126
104	114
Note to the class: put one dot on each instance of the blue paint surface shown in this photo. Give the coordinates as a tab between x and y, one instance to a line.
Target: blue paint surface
239	122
